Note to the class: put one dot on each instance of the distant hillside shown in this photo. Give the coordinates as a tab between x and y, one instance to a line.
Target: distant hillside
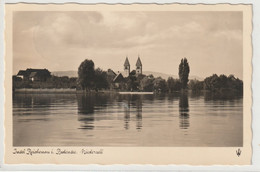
158	74
166	76
65	73
155	74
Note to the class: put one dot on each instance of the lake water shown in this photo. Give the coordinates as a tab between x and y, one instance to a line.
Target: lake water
180	119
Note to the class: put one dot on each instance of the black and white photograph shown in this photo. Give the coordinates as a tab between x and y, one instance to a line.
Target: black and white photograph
128	78
95	83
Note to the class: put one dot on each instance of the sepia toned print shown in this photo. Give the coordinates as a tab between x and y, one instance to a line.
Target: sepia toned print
136	78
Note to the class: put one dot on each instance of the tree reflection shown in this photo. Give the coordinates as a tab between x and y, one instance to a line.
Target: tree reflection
26	104
184	111
127	105
139	105
223	95
173	97
87	104
33	100
133	102
86	111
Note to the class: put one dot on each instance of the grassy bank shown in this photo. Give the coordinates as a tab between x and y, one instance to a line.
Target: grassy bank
45	90
58	90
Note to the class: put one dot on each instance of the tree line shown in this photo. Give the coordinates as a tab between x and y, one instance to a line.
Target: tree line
90	78
217	83
52	82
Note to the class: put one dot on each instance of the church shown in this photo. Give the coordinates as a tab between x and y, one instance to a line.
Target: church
138	65
121	77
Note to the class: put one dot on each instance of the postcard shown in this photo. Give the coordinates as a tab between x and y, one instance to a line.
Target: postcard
128	84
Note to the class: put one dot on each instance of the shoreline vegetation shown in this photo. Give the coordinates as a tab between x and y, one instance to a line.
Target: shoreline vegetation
208	95
91	80
74	90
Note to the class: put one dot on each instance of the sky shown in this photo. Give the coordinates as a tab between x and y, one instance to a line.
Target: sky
211	41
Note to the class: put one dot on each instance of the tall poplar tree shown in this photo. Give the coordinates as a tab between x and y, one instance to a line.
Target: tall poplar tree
184	71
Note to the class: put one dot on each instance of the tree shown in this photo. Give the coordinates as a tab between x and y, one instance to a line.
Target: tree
146	83
222	82
100	79
212	82
184	71
160	85
195	85
131	83
86	74
173	84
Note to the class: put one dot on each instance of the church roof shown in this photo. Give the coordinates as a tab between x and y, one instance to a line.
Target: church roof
110	72
33	74
126	62
119	78
138	63
21	72
29	71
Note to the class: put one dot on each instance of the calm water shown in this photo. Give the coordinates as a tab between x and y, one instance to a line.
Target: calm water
179	119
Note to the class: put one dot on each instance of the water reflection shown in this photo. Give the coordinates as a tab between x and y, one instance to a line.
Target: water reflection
88	104
184	111
196	95
222	95
173	97
31	101
138	104
32	107
86	111
127	105
127	120
133	104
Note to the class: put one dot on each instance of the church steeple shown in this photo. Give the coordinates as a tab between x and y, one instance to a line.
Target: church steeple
138	66
126	62
126	67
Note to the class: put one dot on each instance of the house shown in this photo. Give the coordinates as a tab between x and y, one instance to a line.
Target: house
111	73
110	77
119	78
34	74
21	74
119	81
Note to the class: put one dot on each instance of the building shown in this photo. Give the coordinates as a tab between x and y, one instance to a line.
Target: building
139	66
21	74
34	74
137	71
126	68
119	80
111	74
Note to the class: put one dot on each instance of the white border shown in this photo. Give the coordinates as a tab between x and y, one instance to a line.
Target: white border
255	86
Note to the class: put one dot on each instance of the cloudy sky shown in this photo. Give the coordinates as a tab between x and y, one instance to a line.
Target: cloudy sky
60	41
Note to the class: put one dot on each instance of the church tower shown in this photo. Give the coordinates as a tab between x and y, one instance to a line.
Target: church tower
126	68
138	66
